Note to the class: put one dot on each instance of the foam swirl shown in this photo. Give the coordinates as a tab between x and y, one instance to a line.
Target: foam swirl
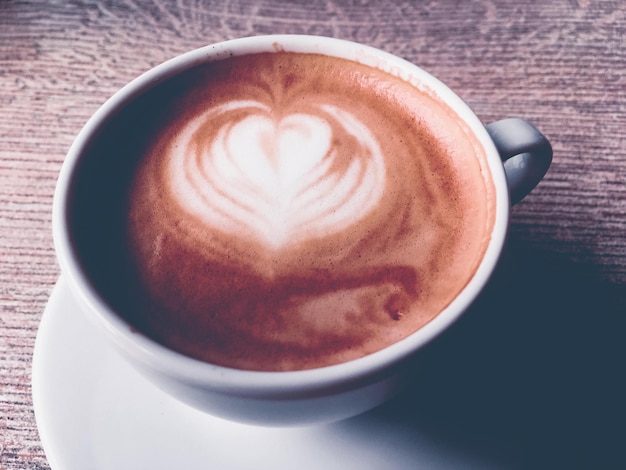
279	180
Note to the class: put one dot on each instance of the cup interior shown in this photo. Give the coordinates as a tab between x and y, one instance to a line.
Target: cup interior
95	178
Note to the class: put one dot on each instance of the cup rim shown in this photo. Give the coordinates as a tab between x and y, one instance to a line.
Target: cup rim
158	358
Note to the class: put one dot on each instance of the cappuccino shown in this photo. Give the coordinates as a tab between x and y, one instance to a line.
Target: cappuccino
290	211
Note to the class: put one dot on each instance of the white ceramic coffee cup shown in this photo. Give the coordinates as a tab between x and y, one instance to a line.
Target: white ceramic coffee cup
308	396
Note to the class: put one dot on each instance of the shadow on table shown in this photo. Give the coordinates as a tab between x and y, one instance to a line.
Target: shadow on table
533	376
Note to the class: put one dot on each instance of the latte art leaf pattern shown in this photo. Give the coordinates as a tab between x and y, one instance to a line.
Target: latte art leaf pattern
239	169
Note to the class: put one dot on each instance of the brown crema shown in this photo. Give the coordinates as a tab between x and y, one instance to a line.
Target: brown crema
299	210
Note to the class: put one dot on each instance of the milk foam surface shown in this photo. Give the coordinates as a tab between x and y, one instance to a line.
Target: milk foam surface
298	211
279	180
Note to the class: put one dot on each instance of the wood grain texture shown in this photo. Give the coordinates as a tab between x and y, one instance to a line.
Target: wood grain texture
560	64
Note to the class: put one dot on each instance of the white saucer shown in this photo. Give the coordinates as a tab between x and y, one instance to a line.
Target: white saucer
93	411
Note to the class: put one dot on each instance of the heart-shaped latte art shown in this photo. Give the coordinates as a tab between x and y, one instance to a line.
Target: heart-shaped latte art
238	169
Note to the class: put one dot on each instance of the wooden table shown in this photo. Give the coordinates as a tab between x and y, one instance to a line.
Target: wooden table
546	362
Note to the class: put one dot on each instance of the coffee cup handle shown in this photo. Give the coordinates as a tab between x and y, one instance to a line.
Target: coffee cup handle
526	154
